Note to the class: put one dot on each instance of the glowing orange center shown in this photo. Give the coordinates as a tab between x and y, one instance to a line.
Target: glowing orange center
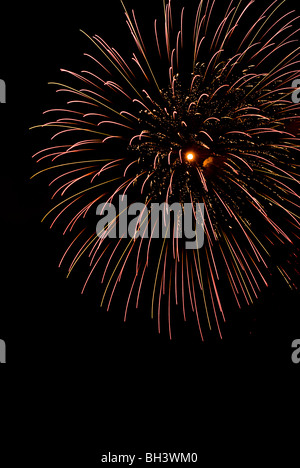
190	156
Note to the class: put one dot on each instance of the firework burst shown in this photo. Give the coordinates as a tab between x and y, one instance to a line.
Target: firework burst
208	118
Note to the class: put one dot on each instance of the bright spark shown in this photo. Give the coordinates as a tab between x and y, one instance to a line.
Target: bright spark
190	156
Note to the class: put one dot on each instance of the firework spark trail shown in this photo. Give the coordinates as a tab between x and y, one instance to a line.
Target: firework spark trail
233	117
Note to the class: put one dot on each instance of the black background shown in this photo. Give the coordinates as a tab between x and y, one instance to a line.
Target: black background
78	381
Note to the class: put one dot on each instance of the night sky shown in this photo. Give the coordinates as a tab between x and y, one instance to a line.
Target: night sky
103	384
